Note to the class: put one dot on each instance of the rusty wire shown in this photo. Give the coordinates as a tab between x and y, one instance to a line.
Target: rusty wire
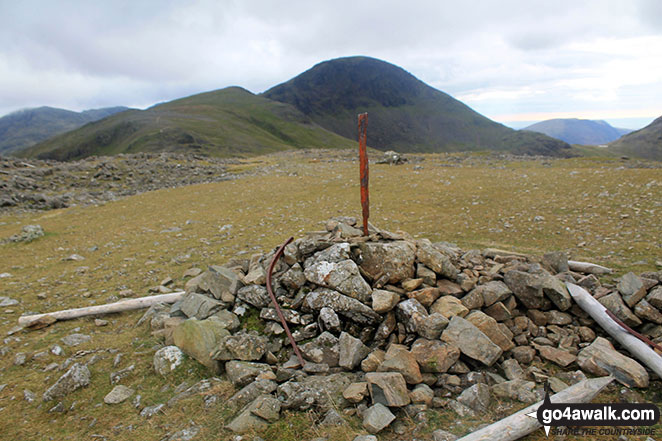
632	331
275	302
363	164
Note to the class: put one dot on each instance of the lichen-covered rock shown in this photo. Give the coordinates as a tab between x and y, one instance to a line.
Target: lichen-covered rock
76	377
167	359
241	346
392	260
471	341
341	276
198	338
255	295
434	356
388	388
341	304
200	306
351	351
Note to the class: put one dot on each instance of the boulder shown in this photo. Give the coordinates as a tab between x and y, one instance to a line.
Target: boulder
392	260
471	341
600	358
198	338
377	417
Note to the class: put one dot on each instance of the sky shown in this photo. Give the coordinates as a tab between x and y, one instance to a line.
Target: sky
514	61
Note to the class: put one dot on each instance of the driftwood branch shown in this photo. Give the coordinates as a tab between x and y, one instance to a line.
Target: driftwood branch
636	347
519	424
124	305
588	268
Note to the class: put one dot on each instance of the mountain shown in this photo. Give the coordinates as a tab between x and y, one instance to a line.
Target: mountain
226	122
579	131
405	114
25	128
645	143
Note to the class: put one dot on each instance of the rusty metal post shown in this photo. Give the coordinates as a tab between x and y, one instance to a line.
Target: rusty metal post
363	164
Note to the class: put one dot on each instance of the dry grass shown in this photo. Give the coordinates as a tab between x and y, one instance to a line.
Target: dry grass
592	208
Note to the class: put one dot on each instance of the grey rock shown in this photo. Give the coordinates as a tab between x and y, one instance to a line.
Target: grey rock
341	304
558	318
240	346
150	411
221	282
342	276
471	341
241	373
462	410
356	392
351	351
6	301
183	435
266	407
431	326
200	306
28	234
388	388
377	417
646	311
29	396
167	359
198	338
422	394
631	288
520	390
323	349
333	254
328	320
76	377
75	339
442	435
615	304
512	369
410	312
117	376
251	391
321	391
433	259
383	301
655	297
477	397
557	261
393	260
293	278
118	395
365	438
332	418
489	326
290	315
255	295
600	358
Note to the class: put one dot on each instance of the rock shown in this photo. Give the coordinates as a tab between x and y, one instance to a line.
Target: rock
373	360
351	351
241	346
293	279
410	285
241	373
520	390
321	391
477	397
388	388
365	438
247	421
430	327
332	418
6	301
471	341
356	392
600	358
449	306
429	277
198	338
615	304
255	295
461	410
150	411
76	377
498	312
433	259
473	300
323	349
266	407
383	301
200	306
434	356
531	289
251	391
342	276
409	312
394	260
167	359
183	435
558	356
442	435
448	288
377	417
28	234
118	395
341	304
75	339
557	261
631	288
399	359
655	297
221	282
488	326
646	311
328	320
558	318
422	394
512	370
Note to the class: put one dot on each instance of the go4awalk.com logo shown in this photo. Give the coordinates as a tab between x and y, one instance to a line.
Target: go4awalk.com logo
590	419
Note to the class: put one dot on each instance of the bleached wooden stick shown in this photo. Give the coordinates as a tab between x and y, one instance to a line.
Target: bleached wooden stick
588	268
124	305
634	346
520	424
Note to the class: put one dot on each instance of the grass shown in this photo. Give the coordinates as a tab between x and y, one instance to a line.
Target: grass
595	209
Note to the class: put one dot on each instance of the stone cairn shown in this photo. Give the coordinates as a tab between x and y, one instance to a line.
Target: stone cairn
389	326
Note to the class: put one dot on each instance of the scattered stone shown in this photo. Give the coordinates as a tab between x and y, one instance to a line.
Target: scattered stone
167	359
28	234
6	301
150	411
76	377
75	339
377	417
118	395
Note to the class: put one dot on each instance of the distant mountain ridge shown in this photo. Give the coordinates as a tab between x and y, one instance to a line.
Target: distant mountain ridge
25	128
315	109
405	114
645	143
579	131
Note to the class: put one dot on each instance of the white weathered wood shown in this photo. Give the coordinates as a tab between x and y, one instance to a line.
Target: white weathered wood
636	347
124	305
520	424
588	268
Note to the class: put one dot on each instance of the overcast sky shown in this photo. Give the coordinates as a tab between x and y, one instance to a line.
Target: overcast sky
514	61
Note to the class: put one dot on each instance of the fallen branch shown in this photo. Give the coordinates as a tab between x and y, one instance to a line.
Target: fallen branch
124	305
519	424
597	311
588	268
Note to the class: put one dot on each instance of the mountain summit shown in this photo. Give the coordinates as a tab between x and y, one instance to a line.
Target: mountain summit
644	143
405	113
579	131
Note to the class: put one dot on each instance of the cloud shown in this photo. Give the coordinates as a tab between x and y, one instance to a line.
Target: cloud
499	57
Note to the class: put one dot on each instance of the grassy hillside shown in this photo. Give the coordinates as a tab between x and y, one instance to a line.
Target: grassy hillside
579	131
226	122
645	143
405	114
26	128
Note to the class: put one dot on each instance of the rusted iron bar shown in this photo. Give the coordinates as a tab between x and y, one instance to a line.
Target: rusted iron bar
363	164
275	302
632	331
